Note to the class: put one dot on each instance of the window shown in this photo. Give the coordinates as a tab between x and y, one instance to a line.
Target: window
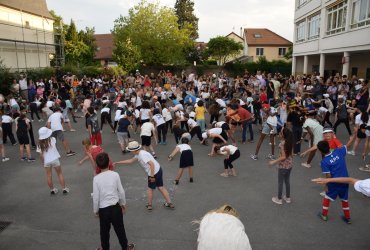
336	21
27	24
282	51
314	26
257	35
301	27
360	13
259	51
300	3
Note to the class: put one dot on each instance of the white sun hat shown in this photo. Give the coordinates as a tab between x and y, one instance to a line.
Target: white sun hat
44	133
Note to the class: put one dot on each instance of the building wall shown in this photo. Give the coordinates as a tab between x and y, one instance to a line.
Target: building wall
333	63
271	53
18	27
237	39
355	40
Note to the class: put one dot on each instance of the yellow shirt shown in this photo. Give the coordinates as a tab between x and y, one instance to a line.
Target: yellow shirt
199	113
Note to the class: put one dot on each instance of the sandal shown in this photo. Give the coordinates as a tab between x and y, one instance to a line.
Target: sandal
169	205
149	207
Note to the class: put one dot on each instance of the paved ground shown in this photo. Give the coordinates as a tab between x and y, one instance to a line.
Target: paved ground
41	221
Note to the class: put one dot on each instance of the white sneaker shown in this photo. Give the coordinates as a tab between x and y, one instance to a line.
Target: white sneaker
323	193
5	159
254	157
351	152
287	200
65	190
277	200
306	165
54	191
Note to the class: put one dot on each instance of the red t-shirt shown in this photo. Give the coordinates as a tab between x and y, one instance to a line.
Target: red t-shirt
334	144
94	151
263	97
244	114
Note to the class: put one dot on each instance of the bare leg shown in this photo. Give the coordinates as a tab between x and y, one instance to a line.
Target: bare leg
165	194
49	177
179	173
262	137
2	150
272	140
357	141
21	146
191	172
66	147
28	150
60	176
310	156
150	196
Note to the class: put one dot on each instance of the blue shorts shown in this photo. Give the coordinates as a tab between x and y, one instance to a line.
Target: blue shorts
335	190
158	180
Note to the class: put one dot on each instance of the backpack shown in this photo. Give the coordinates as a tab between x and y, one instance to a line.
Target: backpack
342	112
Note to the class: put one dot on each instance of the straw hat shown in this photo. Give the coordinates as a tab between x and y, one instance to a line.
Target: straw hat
133	146
44	133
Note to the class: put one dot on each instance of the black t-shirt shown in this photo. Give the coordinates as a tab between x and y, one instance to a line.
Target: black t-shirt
295	119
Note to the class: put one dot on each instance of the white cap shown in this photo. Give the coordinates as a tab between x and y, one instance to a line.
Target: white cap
273	110
192	114
326	95
328	130
363	186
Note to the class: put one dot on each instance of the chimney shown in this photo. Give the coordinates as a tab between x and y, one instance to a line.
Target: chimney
241	31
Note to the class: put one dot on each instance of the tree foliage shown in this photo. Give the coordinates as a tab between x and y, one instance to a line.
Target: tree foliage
79	46
185	13
221	48
5	79
127	55
288	55
154	31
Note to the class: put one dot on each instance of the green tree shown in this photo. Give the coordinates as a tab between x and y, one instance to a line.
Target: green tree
127	55
79	47
87	37
5	79
185	13
289	53
221	48
155	32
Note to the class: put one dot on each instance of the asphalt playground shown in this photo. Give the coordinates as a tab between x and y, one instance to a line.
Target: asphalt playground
41	221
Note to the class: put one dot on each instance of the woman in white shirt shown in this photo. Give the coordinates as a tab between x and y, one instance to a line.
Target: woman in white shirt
145	113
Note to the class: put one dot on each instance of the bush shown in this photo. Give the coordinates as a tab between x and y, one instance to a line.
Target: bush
91	71
6	79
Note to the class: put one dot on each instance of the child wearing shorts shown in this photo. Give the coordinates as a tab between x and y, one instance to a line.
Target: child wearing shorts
268	128
49	156
186	159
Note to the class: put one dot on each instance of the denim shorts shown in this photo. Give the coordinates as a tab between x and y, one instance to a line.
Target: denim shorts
53	164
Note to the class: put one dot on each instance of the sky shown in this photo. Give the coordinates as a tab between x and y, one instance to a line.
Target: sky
216	17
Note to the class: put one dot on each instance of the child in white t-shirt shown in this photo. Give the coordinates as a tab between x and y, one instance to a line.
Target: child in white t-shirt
186	159
49	156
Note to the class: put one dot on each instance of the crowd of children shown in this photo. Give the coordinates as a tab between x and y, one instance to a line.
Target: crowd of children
290	109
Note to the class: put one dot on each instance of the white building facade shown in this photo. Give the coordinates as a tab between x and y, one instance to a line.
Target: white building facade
332	36
26	34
